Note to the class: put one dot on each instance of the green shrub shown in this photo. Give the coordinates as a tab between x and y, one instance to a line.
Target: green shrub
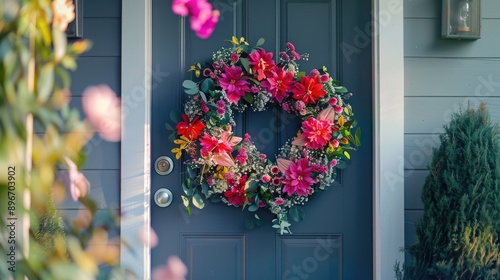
458	235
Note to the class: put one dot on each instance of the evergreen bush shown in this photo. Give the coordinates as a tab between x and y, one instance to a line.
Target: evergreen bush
458	235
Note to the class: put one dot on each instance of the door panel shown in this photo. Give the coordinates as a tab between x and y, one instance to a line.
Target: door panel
335	239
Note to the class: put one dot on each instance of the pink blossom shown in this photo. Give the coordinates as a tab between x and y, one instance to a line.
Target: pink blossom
263	157
221	104
174	269
266	178
324	78
295	55
203	18
103	110
333	101
317	132
314	73
298	178
75	181
234	83
261	63
278	83
338	109
290	46
179	7
275	170
279	201
335	143
219	149
261	203
319	168
229	176
221	111
334	162
234	57
285	107
254	89
204	107
242	156
284	56
247	137
276	181
236	195
148	236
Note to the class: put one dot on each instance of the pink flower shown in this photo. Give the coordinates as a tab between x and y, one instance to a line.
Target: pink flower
234	83
324	78
203	18
103	110
295	55
148	236
279	201
278	83
234	57
319	168
204	107
261	63
290	46
333	101
314	73
219	149
174	269
285	107
63	13
334	162
179	7
317	132
335	143
75	181
284	56
275	170
261	203
276	181
266	178
298	178
221	104
338	109
247	137
242	156
263	157
221	111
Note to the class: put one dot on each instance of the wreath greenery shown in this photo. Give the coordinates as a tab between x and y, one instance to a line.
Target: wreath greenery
223	167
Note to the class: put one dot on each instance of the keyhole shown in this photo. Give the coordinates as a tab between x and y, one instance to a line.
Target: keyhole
164	165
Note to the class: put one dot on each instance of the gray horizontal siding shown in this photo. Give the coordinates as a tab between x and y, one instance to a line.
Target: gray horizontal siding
440	76
423	39
100	65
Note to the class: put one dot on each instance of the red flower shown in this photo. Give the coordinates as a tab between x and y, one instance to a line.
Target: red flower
261	63
219	149
236	194
190	130
309	90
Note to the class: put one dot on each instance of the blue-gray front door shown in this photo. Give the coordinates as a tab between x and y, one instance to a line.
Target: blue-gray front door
335	239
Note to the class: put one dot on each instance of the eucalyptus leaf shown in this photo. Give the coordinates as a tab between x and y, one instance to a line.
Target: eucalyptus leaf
251	186
187	84
198	201
341	90
250	224
297	213
260	42
168	126
175	116
357	138
207	85
253	208
203	96
191	91
204	189
187	190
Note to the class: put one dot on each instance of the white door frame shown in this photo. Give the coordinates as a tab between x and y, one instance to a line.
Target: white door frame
388	135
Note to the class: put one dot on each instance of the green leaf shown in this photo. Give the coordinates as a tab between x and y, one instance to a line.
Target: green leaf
186	188
203	96
63	76
246	64
253	208
260	42
198	201
204	189
300	75
207	85
297	213
251	186
45	82
215	199
175	116
341	90
188	210
357	138
187	84
191	91
250	223
185	201
169	127
191	172
248	98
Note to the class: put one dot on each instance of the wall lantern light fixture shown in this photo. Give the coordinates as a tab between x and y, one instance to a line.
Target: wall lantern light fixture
461	19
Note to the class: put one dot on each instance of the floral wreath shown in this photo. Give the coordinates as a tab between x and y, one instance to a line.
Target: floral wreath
222	167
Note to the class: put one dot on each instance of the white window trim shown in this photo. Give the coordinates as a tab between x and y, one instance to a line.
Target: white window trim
388	135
